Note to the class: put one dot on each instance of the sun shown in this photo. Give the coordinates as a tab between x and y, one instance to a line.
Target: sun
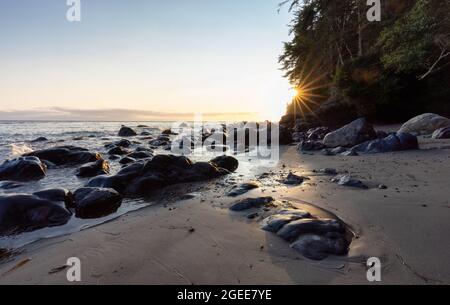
294	93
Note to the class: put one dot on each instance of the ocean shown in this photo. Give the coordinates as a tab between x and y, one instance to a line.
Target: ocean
17	138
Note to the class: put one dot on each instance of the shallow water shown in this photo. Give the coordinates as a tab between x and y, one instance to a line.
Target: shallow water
17	138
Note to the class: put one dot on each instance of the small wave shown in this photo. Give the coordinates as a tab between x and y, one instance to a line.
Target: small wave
18	149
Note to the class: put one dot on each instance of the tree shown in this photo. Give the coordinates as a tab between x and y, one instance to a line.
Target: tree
403	60
419	42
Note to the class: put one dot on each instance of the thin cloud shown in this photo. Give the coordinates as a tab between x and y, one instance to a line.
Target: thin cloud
112	114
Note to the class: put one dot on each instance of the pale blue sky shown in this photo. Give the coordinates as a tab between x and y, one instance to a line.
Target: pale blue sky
176	56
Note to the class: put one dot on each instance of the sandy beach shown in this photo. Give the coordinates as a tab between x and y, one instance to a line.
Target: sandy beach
200	241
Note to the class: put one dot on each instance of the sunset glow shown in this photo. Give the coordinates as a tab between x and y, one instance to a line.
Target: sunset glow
175	59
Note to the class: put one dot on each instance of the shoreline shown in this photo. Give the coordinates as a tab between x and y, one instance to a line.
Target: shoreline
199	241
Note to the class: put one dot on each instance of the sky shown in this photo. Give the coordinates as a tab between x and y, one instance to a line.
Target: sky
142	60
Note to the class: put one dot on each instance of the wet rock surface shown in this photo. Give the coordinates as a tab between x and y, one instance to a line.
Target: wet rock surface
118	151
39	139
96	202
293	179
140	155
22	169
229	163
313	236
100	167
127	160
126	132
8	185
241	189
319	247
23	213
65	155
274	223
163	170
250	203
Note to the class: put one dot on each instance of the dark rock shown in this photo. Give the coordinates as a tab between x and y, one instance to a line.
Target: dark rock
328	152
241	189
126	132
8	185
66	155
298	136
293	179
168	132
40	139
143	177
382	187
347	180
338	150
163	138
352	134
145	133
251	203
25	213
319	247
227	162
328	171
127	160
158	143
188	197
114	157
294	229
57	195
252	216
96	202
274	223
22	169
310	145
101	167
381	134
49	164
119	151
350	153
318	133
393	142
141	148
442	133
123	143
140	155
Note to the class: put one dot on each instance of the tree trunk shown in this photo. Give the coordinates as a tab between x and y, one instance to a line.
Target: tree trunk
360	42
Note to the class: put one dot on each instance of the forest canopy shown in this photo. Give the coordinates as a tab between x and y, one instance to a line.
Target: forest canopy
387	70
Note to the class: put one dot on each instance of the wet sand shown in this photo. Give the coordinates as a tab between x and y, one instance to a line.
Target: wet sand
199	241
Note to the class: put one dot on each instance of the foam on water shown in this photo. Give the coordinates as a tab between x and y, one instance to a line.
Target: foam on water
16	138
19	149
